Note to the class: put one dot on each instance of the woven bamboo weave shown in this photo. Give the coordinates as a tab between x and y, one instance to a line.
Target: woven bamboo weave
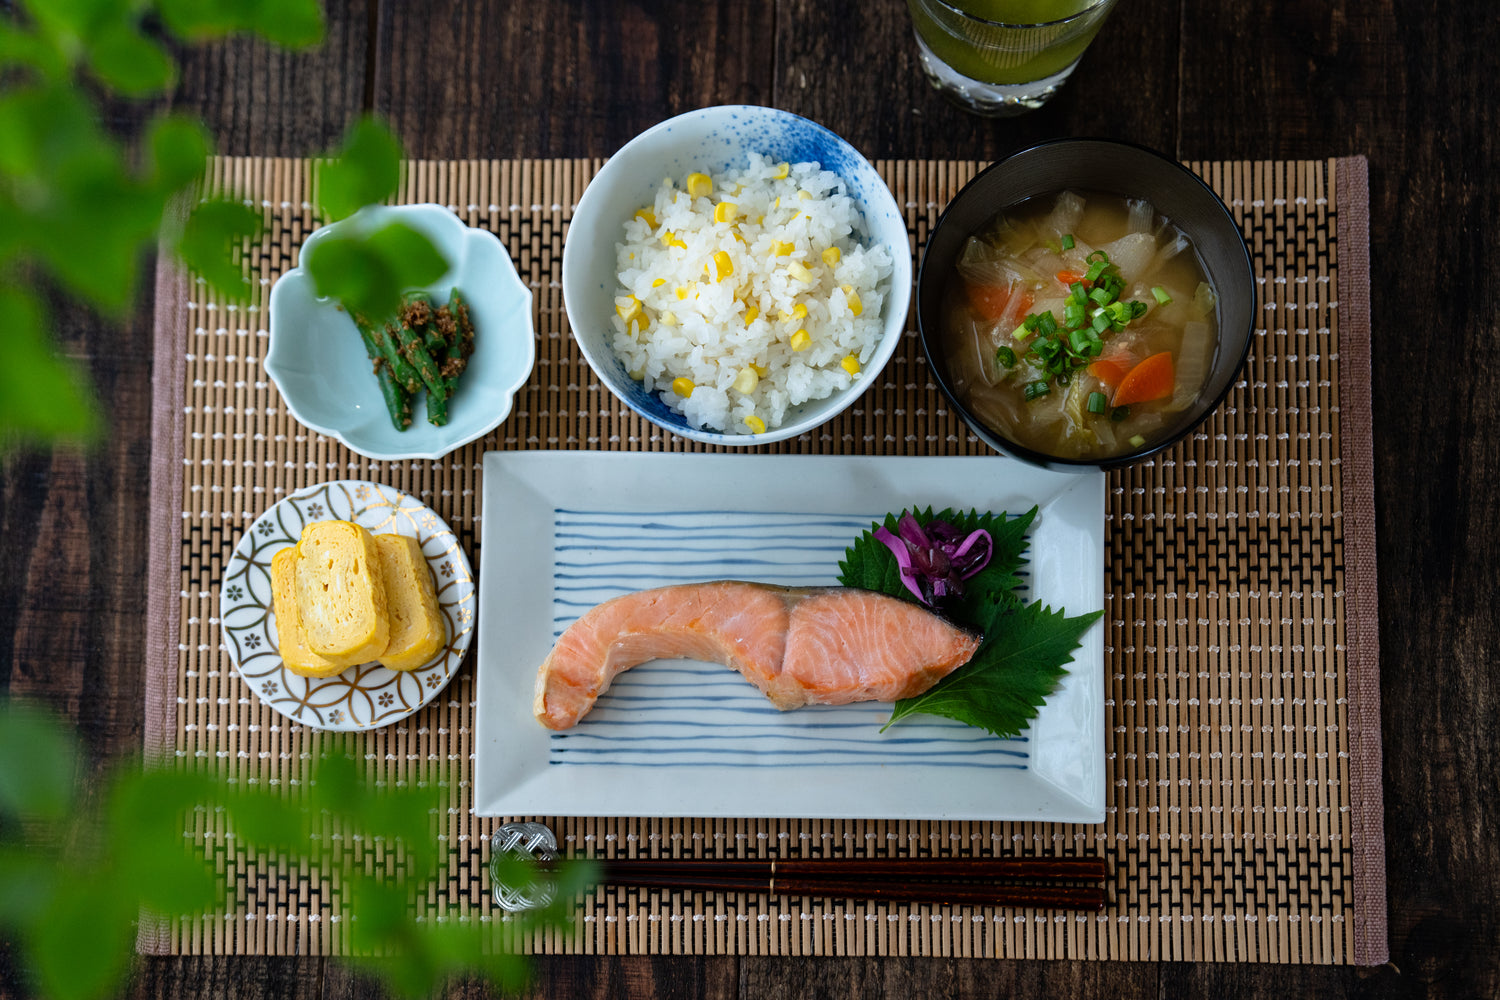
1244	817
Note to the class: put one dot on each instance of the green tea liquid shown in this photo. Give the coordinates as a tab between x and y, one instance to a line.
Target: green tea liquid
1000	52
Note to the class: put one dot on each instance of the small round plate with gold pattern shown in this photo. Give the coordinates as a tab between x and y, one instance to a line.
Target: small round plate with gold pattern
369	695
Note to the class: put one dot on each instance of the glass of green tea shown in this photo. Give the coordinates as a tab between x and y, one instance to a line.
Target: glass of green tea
1003	57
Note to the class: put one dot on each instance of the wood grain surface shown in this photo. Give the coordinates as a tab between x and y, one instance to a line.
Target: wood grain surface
1390	79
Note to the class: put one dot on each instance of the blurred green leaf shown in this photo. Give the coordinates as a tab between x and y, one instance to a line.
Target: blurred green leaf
289	23
24	48
410	251
37	756
366	171
71	203
294	24
28	878
179	148
338	783
42	124
68	25
266	823
212	241
82	945
123	58
417	955
368	274
146	816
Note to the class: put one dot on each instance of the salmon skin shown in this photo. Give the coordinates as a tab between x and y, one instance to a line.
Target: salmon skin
798	645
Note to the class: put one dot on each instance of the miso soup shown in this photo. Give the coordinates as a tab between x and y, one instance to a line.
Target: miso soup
1080	326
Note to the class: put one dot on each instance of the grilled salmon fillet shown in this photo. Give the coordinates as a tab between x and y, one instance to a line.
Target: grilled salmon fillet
798	645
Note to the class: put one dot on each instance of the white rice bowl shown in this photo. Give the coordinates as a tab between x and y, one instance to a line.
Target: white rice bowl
734	336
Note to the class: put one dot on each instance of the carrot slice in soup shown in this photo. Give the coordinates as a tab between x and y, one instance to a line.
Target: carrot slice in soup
1153	378
1112	368
991	301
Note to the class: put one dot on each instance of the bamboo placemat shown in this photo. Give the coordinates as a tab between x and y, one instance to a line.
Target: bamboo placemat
1242	673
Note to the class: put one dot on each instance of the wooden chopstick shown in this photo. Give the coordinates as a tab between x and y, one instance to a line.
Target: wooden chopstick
1091	869
1041	883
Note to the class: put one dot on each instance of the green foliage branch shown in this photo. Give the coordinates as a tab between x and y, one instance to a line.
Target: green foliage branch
75	873
81	209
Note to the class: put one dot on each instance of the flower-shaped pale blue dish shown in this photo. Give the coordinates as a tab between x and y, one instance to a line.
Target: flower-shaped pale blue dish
318	361
712	141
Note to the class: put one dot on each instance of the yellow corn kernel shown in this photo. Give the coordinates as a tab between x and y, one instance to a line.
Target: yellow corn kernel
637	375
750	313
738	235
648	216
682	292
723	266
760	370
799	311
671	239
683	387
658	282
726	211
780	249
699	185
668	319
799	271
756	425
781	170
852	297
746	381
804	194
832	256
628	307
783	315
801	340
850	363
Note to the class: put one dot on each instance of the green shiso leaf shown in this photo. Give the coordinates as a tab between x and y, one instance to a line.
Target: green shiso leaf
1025	649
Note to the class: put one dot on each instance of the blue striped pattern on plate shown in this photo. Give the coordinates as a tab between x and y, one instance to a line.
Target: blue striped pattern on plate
683	713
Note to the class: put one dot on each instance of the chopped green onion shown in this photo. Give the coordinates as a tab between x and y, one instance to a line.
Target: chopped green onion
1036	389
1095	271
1119	413
1005	356
1097	403
1102	321
1100	296
1047	324
1136	441
1031	322
1067	241
1078	340
1137	309
1162	298
1021	332
1102	255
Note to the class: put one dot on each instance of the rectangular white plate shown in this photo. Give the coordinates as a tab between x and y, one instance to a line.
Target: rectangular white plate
563	531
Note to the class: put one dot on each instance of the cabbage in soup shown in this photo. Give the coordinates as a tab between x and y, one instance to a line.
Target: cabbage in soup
1080	326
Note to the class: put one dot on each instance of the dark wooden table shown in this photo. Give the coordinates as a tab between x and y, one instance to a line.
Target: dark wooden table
1392	79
